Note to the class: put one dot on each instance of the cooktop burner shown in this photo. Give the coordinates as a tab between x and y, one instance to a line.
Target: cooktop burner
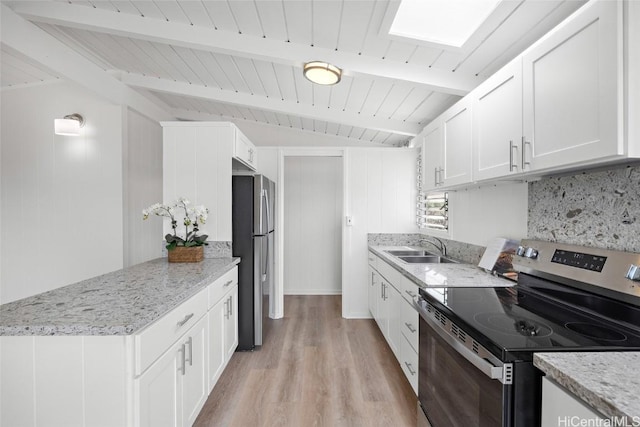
513	326
595	331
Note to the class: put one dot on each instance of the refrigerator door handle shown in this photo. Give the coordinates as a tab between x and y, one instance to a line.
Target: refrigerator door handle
265	198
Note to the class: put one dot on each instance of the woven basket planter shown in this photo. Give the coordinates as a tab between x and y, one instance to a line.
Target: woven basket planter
186	254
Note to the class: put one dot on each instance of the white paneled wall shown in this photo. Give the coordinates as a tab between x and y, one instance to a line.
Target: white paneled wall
313	225
62	211
381	198
143	187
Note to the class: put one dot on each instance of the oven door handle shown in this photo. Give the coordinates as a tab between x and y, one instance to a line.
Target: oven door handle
500	373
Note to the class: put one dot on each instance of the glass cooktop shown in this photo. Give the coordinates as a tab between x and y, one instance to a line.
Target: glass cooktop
538	315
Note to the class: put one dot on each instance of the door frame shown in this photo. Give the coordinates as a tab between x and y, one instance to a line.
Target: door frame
278	309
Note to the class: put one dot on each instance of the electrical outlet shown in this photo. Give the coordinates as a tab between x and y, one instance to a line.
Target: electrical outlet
349	221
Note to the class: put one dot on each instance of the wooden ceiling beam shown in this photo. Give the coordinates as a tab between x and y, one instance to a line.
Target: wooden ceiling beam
270	104
209	39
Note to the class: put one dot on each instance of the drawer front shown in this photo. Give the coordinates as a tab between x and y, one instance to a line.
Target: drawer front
409	325
393	276
158	337
221	286
409	362
409	290
373	260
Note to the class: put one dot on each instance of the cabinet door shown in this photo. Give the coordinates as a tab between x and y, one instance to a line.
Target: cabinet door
558	404
216	317
159	391
373	285
572	89
432	155
383	307
456	131
244	150
231	324
194	376
497	124
395	304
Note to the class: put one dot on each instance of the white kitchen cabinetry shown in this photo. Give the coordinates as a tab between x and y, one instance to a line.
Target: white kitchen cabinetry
558	405
432	155
173	390
456	130
223	324
244	151
497	124
198	162
159	376
572	90
390	294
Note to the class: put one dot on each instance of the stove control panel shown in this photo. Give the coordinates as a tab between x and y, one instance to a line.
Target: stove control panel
577	265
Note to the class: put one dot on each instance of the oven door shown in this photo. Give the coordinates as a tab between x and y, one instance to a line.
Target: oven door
456	385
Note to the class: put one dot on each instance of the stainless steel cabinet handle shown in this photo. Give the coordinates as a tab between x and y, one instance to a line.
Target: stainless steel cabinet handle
435	176
182	366
226	309
230	305
524	152
410	368
185	320
411	294
410	327
190	344
511	147
228	283
381	290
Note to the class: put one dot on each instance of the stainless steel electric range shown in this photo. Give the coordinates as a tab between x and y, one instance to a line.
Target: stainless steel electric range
477	344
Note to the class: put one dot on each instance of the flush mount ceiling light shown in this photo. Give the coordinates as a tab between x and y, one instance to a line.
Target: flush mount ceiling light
69	125
322	73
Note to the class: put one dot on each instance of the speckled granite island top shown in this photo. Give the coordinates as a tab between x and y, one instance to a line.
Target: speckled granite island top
460	275
609	382
117	303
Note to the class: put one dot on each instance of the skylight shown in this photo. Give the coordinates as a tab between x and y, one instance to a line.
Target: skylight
448	22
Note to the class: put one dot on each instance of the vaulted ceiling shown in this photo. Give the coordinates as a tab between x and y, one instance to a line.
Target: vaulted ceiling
241	60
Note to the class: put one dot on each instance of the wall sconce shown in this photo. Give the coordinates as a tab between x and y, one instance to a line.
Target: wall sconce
69	125
322	73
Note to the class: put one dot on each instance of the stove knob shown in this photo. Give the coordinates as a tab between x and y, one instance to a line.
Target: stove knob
531	253
520	251
633	273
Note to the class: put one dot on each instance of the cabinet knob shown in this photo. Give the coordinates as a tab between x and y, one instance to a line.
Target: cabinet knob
633	273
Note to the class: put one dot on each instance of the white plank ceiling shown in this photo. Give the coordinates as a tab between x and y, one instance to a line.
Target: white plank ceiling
242	59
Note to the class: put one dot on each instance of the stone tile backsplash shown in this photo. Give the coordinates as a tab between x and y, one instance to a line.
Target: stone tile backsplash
600	209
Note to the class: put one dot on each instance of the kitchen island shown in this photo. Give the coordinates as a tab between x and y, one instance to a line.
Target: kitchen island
140	346
607	382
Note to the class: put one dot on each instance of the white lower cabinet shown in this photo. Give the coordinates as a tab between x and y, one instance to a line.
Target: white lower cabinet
173	390
559	407
390	303
160	376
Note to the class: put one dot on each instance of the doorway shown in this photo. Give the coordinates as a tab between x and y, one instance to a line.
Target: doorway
312	232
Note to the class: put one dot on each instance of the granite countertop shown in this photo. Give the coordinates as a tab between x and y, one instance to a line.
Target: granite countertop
117	303
608	382
460	275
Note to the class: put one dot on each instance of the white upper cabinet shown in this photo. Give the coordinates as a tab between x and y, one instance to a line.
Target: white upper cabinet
244	151
456	129
432	155
497	124
573	90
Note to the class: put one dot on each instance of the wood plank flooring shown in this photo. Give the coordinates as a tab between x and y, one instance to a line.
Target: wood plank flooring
315	369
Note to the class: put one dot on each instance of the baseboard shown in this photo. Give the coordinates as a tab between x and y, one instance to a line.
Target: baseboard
358	315
313	292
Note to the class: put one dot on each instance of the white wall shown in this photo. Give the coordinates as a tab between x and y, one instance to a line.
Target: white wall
381	198
142	187
61	196
477	215
313	218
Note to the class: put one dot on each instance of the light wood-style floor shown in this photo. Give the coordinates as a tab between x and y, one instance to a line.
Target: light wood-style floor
315	369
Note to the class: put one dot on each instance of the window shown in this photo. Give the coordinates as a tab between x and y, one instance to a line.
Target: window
433	211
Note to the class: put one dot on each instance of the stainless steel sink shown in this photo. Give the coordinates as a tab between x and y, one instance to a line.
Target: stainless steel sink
428	259
408	252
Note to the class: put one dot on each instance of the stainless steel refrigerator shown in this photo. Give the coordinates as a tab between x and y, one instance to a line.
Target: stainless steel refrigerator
253	237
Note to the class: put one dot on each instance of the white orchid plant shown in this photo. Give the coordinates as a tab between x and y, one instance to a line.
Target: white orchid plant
193	217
